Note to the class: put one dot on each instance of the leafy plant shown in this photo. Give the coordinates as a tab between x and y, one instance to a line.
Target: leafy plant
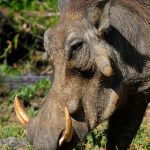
18	5
12	130
96	139
5	69
39	89
28	20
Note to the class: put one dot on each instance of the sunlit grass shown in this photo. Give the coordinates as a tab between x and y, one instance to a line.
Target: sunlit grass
142	139
29	4
11	130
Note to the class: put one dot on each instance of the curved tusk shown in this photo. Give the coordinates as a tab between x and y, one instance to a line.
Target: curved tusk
67	134
20	112
18	116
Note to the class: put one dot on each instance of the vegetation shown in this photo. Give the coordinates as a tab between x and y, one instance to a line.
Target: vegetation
39	89
26	22
11	130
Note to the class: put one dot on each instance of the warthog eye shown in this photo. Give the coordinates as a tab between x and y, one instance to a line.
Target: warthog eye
76	45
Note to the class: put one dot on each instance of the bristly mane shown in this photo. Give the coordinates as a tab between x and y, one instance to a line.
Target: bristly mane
139	7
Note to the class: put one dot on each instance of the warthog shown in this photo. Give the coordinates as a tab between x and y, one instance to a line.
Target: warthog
95	46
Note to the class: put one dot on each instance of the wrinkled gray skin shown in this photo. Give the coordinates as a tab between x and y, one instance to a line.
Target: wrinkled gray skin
121	31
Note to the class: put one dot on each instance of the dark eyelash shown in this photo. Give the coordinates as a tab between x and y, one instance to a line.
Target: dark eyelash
76	46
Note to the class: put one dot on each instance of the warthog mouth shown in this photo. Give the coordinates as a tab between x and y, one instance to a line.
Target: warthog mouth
65	135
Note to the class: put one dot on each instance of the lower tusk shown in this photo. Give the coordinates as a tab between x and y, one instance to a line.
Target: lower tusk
20	112
23	122
67	134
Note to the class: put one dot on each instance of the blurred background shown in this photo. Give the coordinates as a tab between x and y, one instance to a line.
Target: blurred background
25	72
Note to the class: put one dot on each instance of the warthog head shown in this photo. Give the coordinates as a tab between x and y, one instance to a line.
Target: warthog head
86	76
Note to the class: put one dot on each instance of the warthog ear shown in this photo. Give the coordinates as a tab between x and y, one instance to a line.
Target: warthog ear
99	14
85	3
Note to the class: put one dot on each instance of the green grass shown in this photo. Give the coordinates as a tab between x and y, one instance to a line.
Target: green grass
28	93
142	139
12	130
8	127
95	139
8	70
30	11
18	5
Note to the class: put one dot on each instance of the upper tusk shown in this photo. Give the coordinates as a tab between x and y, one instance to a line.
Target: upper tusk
67	134
20	112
